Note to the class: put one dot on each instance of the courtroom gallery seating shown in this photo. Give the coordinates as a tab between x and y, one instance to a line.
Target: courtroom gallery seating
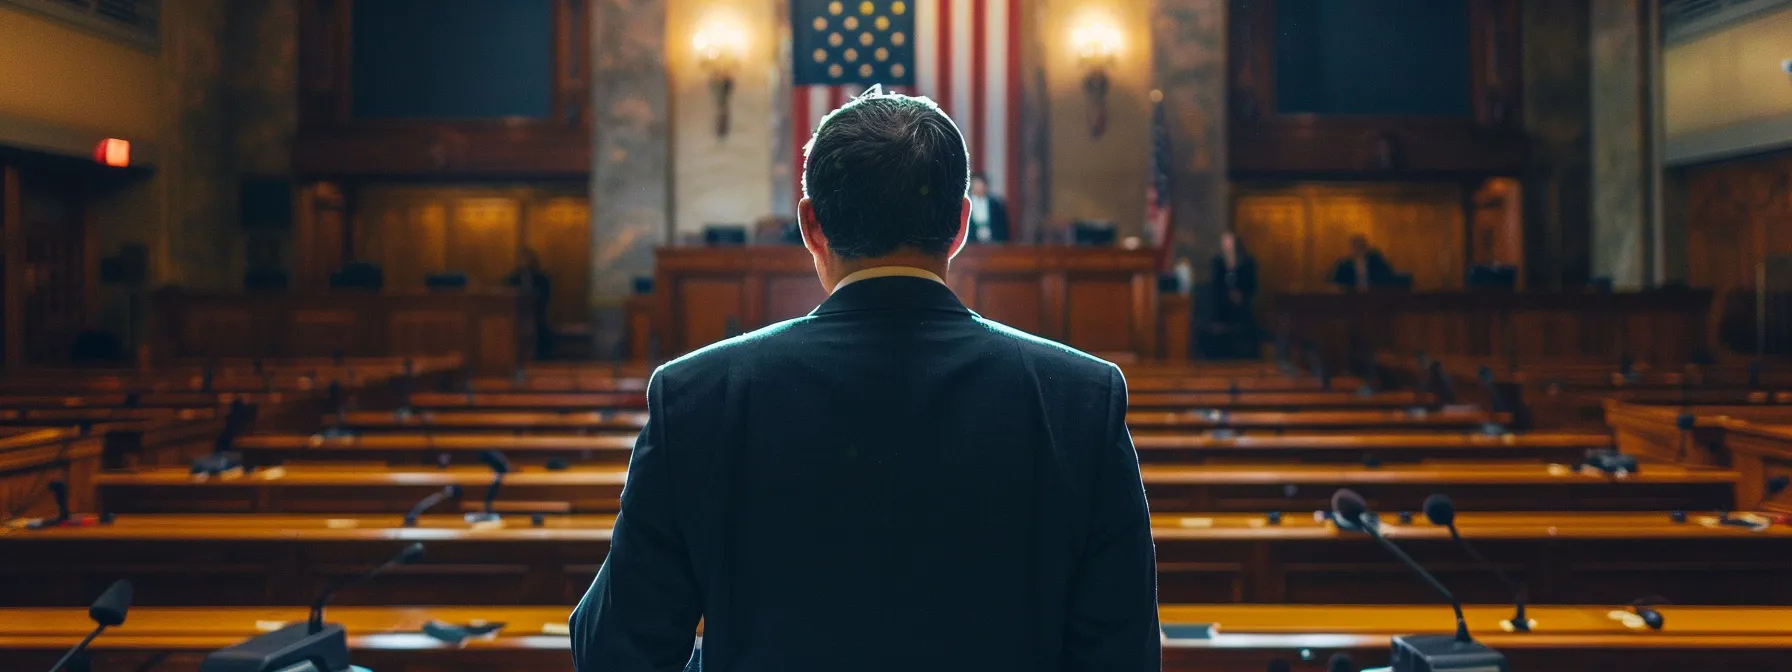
1239	463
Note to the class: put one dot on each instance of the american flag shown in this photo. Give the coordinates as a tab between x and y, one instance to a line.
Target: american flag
1158	195
964	54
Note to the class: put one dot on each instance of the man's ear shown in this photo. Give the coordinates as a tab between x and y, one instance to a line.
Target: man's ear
810	227
964	229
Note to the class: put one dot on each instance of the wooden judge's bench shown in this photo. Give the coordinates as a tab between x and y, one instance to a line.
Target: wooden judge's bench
1101	300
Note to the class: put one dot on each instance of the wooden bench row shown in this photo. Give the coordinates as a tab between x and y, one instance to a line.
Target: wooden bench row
255	559
1249	638
519	421
435	449
1209	488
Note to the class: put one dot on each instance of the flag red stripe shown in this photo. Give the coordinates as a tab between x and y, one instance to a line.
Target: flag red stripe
799	124
836	98
979	82
944	95
1012	127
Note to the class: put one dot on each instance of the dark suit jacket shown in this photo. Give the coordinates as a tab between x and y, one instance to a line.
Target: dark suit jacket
889	484
1243	280
998	222
1380	273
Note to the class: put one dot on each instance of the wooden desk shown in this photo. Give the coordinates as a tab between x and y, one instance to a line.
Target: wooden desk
31	457
389	639
1655	431
256	559
484	327
1186	448
1239	488
1366	420
1285	401
1666	327
1759	453
1095	299
413	448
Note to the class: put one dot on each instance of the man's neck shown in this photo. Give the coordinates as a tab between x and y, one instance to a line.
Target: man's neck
931	264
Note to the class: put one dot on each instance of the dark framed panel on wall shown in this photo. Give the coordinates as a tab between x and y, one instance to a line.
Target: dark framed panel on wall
1364	87
408	88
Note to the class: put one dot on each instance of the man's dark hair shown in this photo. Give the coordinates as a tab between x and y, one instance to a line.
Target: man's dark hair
884	172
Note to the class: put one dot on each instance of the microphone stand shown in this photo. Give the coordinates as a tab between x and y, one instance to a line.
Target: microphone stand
1373	529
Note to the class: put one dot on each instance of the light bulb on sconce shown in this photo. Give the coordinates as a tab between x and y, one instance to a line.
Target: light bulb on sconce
1096	43
720	48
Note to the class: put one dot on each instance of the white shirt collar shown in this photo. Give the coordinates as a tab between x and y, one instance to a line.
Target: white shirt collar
888	271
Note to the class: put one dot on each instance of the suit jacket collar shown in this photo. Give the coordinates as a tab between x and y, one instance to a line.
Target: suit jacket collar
895	292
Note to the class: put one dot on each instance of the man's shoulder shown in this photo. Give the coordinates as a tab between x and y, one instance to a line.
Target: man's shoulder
1051	354
716	358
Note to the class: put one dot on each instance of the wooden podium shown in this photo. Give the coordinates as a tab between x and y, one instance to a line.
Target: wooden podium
1101	300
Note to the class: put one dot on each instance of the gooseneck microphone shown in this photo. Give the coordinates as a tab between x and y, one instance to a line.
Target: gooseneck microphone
499	466
410	554
1351	512
1441	511
1418	653
428	501
107	611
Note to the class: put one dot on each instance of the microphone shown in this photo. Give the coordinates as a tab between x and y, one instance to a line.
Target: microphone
59	491
1441	511
1418	653
410	554
107	611
430	500
500	466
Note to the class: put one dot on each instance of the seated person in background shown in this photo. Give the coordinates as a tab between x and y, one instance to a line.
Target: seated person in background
989	215
543	289
1364	268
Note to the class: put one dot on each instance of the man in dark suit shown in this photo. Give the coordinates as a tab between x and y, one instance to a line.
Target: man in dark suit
1363	269
891	483
989	215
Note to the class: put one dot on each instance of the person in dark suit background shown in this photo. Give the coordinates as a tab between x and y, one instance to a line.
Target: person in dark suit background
1363	269
529	276
989	215
1233	279
891	483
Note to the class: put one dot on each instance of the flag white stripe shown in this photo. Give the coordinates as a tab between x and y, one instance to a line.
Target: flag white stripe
962	97
927	48
994	97
818	106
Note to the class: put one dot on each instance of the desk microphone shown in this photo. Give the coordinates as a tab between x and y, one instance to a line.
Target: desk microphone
1418	653
410	554
107	611
430	500
500	466
1441	511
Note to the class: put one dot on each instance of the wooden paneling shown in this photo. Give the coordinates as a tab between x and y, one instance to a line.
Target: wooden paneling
1265	140
480	230
333	142
1094	307
32	457
1661	327
708	306
1014	301
1739	216
1099	299
482	326
1298	232
558	229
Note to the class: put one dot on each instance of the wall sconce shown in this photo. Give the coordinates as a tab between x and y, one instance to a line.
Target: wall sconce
719	52
1097	44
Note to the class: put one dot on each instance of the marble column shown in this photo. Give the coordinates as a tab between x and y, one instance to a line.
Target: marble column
198	173
1619	121
1556	103
1189	55
630	190
784	154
